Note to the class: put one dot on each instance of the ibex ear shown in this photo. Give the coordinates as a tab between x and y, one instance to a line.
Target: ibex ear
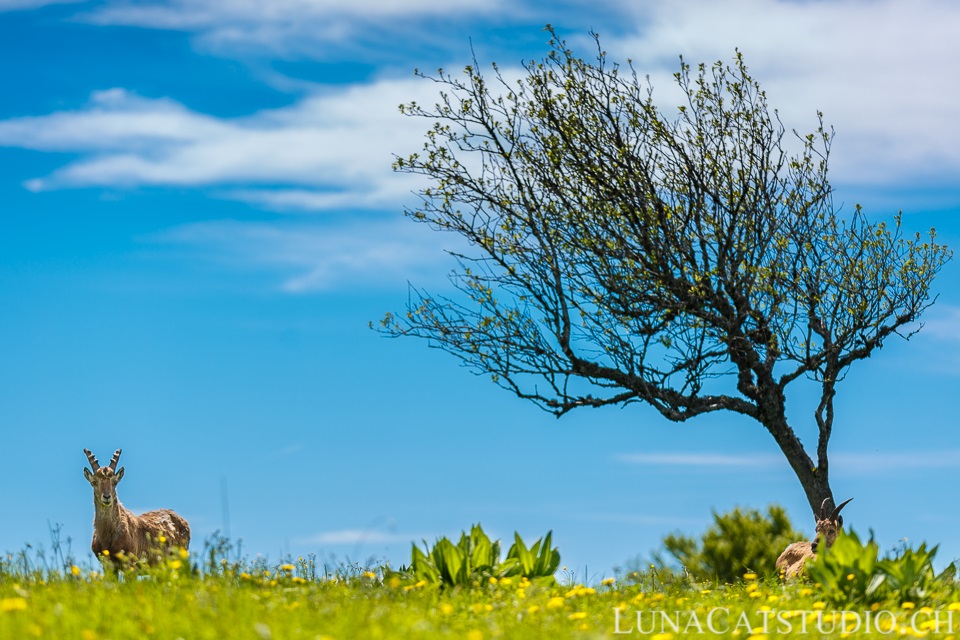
119	475
88	475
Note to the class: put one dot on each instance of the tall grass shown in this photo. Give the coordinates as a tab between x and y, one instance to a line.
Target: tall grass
219	592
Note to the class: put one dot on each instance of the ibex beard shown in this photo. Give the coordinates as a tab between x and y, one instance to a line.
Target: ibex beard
121	537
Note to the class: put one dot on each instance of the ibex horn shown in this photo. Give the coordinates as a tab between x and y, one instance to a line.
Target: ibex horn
116	458
825	508
836	512
93	461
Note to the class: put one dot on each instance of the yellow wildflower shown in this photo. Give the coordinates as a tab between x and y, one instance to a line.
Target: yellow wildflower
369	574
662	636
555	602
749	576
819	606
533	609
446	608
286	567
13	604
606	582
75	570
578	615
908	605
475	634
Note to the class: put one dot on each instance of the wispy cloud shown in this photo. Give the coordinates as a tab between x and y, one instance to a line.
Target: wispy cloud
358	536
942	323
841	462
876	69
314	256
670	459
335	148
296	27
15	5
849	463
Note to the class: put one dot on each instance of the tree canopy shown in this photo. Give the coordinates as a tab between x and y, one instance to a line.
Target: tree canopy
688	257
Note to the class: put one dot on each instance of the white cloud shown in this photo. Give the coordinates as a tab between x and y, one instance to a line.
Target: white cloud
878	70
841	462
881	71
871	463
358	536
942	323
15	5
339	144
314	256
670	459
293	27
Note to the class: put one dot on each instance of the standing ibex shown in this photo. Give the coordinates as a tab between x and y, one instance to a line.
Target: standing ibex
126	537
791	561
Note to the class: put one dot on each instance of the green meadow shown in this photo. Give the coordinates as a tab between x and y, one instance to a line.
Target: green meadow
465	590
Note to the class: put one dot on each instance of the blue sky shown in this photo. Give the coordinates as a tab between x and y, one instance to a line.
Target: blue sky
199	219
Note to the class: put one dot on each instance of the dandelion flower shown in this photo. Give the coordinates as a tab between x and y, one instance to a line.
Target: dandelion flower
75	570
13	604
606	582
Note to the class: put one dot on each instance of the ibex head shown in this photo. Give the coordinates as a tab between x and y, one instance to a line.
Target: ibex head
103	479
828	523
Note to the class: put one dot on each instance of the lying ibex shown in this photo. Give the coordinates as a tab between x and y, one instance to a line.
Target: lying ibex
791	561
121	535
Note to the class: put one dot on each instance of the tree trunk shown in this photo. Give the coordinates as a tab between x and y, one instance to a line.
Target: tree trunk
815	481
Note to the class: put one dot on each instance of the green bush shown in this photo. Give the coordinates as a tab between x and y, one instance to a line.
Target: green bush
736	543
851	573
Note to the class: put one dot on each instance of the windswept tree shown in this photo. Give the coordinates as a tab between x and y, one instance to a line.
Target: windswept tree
691	258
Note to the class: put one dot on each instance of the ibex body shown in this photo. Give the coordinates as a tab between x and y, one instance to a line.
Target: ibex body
791	561
124	536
